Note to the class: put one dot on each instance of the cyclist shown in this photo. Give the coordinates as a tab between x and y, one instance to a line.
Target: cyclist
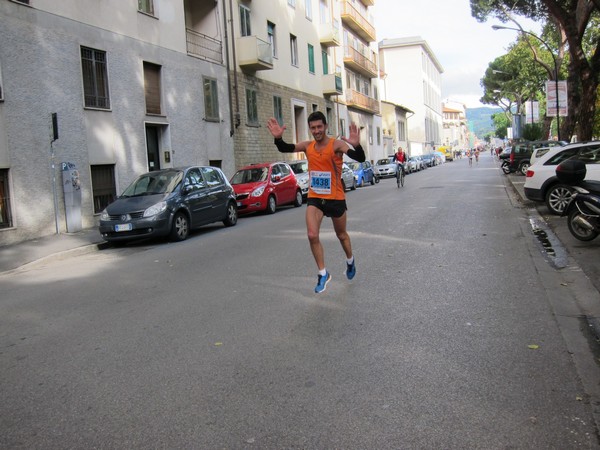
400	159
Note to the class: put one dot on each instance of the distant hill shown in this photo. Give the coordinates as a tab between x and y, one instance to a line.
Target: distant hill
480	120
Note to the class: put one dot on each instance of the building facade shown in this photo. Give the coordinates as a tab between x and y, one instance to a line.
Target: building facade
293	57
395	127
455	132
94	93
412	77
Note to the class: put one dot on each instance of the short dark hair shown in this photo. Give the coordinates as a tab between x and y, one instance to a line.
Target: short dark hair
317	115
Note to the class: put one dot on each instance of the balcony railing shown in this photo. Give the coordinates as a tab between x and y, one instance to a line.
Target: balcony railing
355	99
254	53
358	62
205	47
354	20
329	34
332	84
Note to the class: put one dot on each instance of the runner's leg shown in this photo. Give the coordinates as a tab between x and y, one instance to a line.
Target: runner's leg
314	217
339	225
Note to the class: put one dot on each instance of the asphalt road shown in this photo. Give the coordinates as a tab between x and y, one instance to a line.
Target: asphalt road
457	332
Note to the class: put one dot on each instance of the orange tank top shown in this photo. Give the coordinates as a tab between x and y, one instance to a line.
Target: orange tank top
325	168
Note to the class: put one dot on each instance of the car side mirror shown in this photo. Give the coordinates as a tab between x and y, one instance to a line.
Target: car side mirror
187	189
276	178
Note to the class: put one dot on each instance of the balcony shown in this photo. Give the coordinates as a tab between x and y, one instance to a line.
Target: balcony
357	100
204	47
354	20
254	54
359	63
332	84
329	35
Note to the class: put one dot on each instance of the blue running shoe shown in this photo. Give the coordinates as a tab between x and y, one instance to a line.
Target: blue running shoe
322	283
351	270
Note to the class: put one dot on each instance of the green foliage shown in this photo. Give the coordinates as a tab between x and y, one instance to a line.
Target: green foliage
533	132
501	122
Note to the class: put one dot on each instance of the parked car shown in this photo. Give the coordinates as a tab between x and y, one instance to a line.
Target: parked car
538	153
428	160
300	169
416	163
265	186
542	185
505	154
363	172
520	155
348	180
385	167
169	202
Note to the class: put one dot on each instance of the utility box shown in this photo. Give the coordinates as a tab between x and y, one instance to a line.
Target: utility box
72	193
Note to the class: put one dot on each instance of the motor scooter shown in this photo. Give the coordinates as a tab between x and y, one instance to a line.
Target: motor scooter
583	211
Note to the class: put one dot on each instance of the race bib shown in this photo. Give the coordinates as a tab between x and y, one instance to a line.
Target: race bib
320	182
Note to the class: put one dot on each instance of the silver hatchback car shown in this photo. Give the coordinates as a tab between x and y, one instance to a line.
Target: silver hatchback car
385	167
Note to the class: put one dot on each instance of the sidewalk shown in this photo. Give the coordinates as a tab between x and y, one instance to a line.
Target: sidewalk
16	255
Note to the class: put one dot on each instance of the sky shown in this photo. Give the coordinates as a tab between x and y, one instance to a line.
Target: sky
463	46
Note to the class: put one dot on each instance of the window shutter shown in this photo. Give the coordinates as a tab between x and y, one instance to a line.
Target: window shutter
152	88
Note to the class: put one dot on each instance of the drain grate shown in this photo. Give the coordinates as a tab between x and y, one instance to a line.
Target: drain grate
552	248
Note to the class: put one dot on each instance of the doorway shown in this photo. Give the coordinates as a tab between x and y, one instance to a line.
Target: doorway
153	147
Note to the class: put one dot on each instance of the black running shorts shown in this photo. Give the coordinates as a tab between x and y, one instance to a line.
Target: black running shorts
331	208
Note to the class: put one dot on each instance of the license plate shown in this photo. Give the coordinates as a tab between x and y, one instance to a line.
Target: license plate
123	227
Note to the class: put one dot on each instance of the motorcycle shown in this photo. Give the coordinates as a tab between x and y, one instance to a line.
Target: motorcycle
583	211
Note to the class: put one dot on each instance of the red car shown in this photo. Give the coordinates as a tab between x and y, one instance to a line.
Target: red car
264	187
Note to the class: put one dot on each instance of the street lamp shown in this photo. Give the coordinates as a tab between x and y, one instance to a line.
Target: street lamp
501	27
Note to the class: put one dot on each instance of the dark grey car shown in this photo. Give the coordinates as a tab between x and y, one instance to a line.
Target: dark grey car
169	202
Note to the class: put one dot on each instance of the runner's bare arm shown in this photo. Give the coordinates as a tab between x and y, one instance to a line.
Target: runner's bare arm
277	132
357	153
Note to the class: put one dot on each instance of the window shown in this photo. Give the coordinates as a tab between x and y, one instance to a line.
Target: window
308	9
5	216
212	176
378	136
401	131
211	99
245	21
294	49
251	107
277	109
323	11
329	116
292	3
103	186
342	127
146	6
272	38
311	59
325	60
152	88
95	79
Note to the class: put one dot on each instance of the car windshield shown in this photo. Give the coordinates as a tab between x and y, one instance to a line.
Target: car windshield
354	165
383	162
154	183
252	175
299	167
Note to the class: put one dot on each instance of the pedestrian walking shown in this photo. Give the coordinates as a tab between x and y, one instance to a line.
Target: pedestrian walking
326	196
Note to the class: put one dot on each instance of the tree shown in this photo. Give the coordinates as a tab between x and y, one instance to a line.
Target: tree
570	22
515	78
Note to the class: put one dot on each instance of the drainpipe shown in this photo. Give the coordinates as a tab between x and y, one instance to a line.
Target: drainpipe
226	37
235	80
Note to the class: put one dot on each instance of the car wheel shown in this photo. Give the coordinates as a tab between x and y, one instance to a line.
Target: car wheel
557	198
505	168
353	187
524	167
298	199
271	205
232	215
180	228
361	183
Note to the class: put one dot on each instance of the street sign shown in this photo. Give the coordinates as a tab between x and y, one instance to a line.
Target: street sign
551	94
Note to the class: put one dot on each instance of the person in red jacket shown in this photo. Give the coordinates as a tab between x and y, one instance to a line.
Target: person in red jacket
400	158
326	196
